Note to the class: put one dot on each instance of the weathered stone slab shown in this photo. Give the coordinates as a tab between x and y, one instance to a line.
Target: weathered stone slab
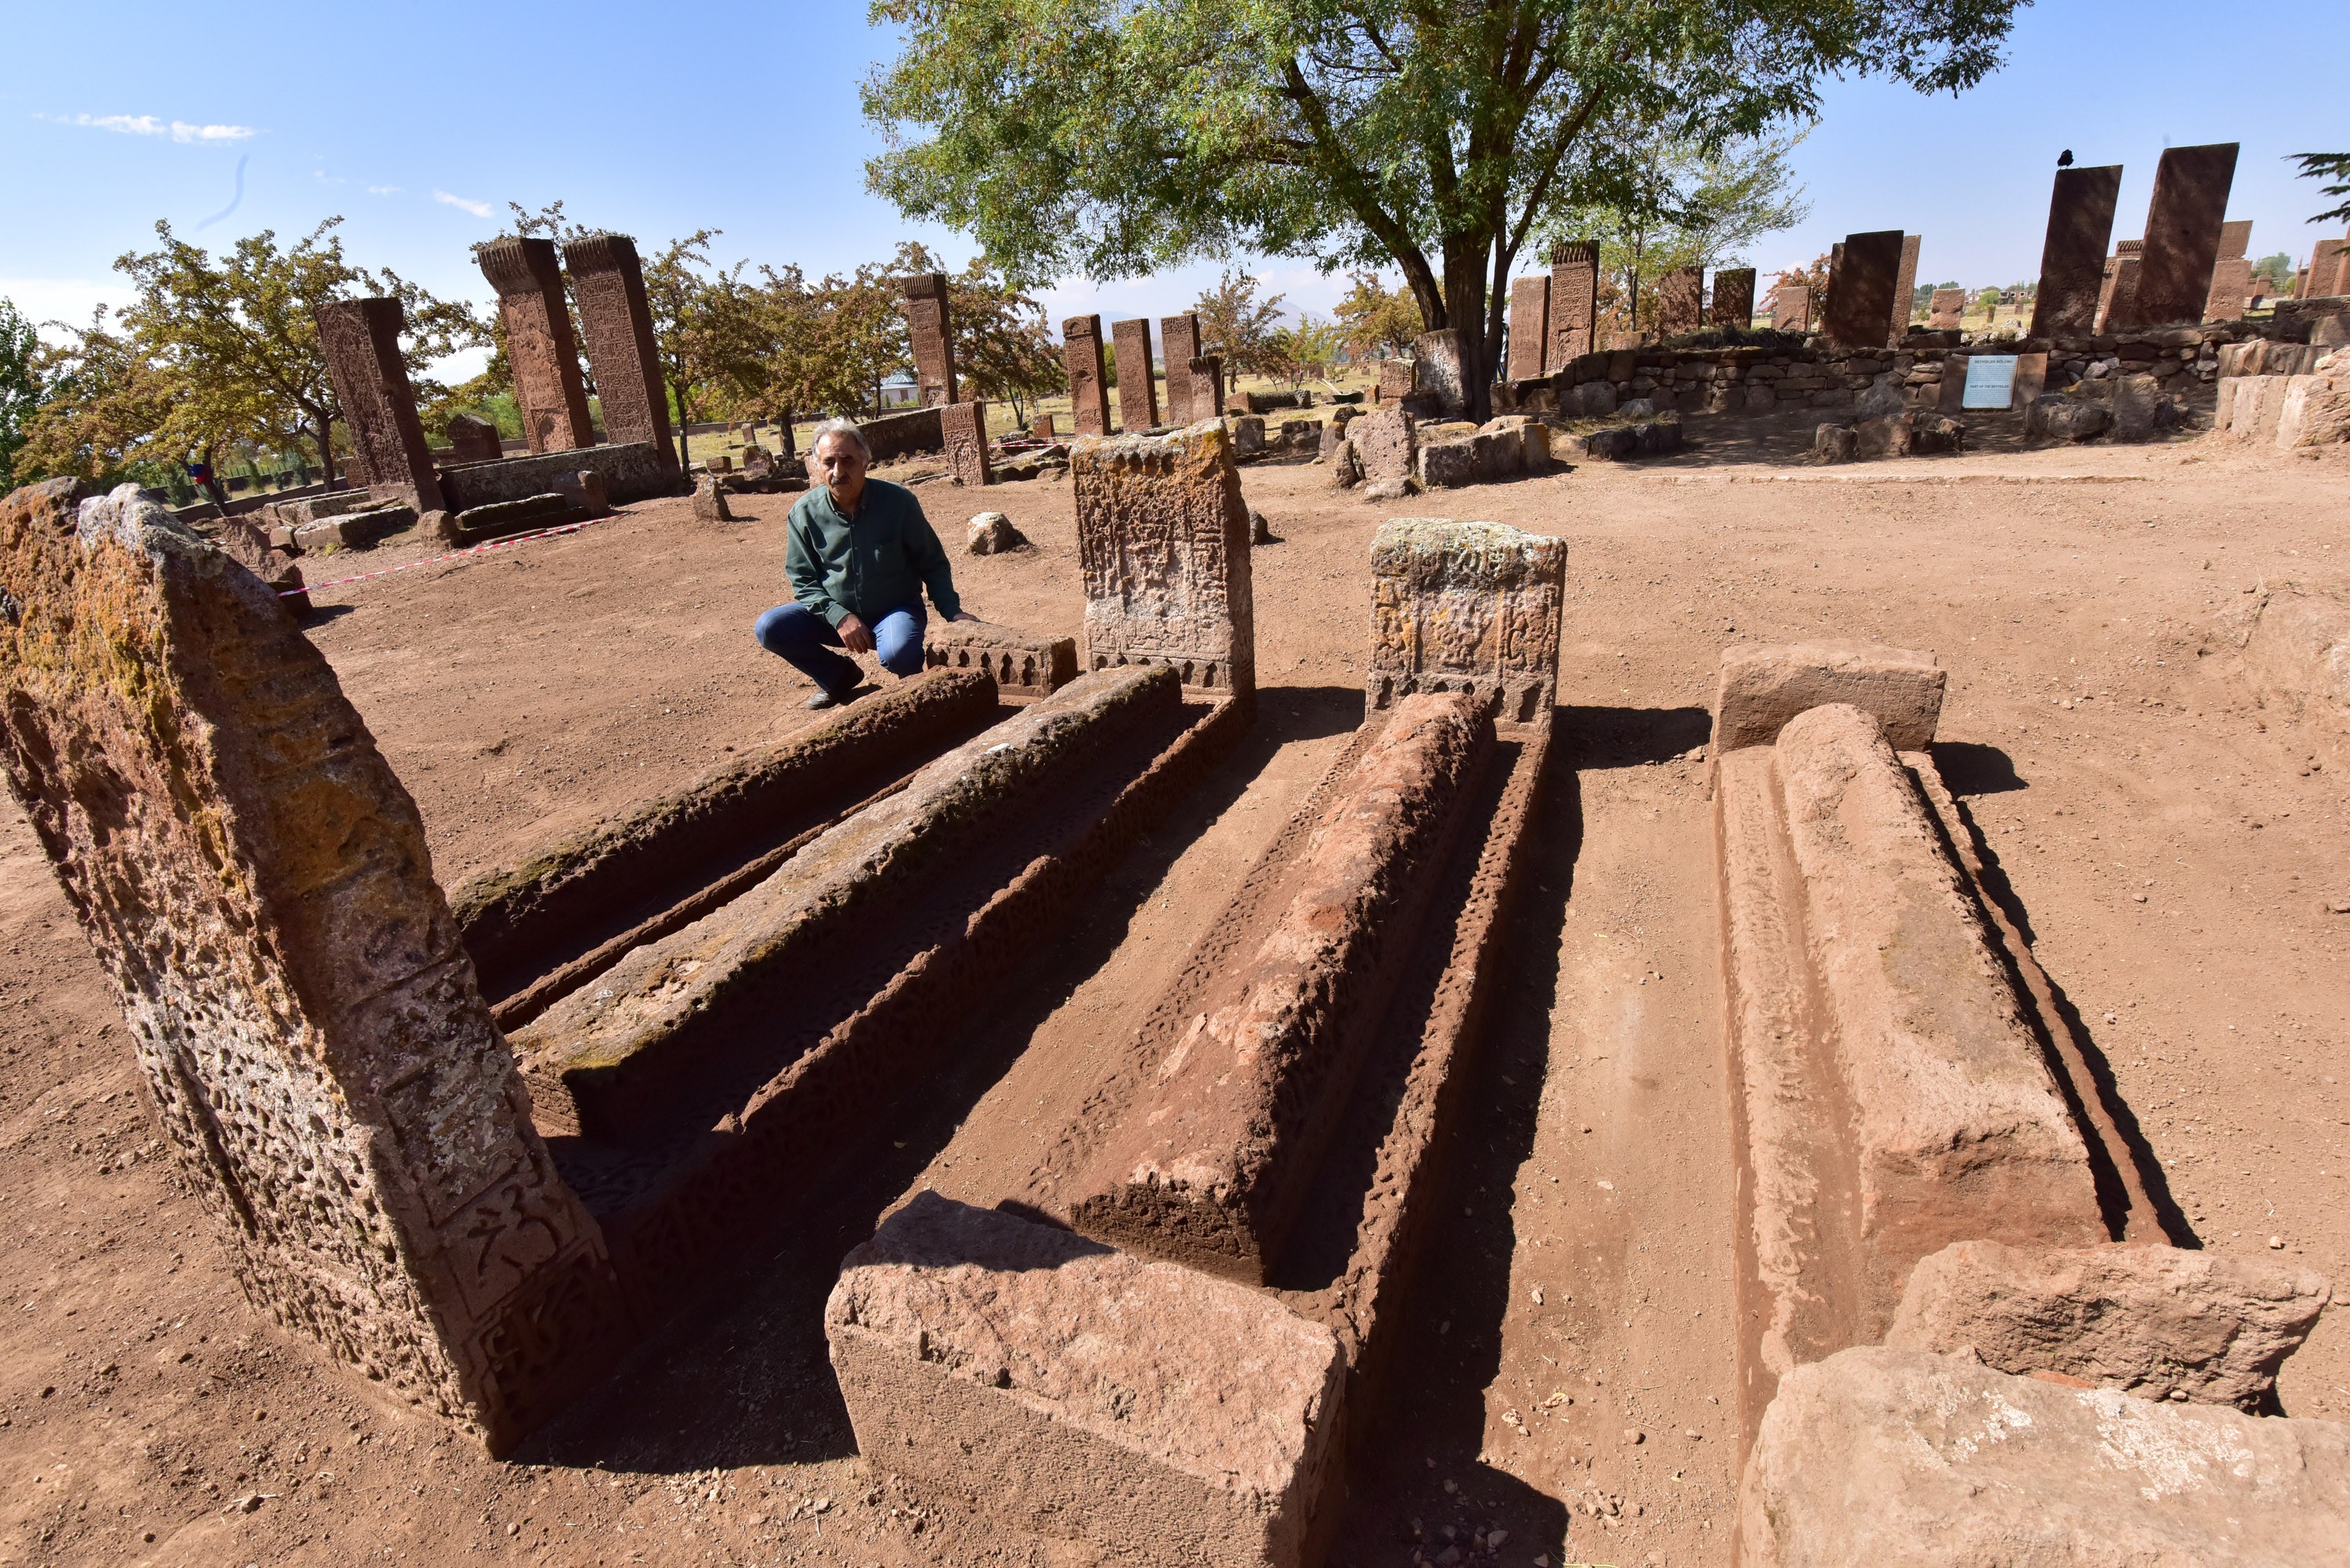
2073	255
1905	292
893	436
631	471
2325	269
1466	607
661	1035
1733	298
1791	307
1762	687
1860	289
2315	410
2298	655
1573	303
1207	387
1386	446
1213	1170
1138	391
2182	235
929	328
1957	1126
1054	1387
2152	1321
255	886
1163	543
1081	352
547	387
963	428
1879	1455
1948	310
360	338
617	319
1529	326
1680	301
473	438
1178	338
1442	359
1023	664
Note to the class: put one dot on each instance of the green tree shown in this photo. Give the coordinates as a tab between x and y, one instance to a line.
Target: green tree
1003	347
2277	270
22	385
2334	166
1309	348
708	329
1117	137
107	411
1240	326
1375	320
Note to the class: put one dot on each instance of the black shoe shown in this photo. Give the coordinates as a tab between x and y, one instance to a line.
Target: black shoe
823	699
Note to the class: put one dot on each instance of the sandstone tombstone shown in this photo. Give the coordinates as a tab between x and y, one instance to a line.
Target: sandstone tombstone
1397	380
1680	301
1733	298
1207	387
1443	358
360	338
2116	297
1948	310
617	322
1138	391
473	438
1791	307
2326	266
255	886
964	426
1905	292
2182	235
1081	353
1163	545
547	388
1573	304
2073	255
1179	340
932	331
1861	282
1466	607
1042	428
1529	327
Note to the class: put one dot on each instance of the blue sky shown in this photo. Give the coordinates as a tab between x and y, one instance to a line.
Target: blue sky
418	124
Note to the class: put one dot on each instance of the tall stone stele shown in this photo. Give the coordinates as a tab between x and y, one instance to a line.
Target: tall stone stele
2182	237
618	320
1137	389
2072	257
1905	292
931	329
1081	352
1863	272
1179	340
254	884
361	340
963	428
1529	327
1680	301
1573	303
1733	298
548	389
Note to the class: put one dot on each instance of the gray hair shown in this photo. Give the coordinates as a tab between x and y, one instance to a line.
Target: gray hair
840	428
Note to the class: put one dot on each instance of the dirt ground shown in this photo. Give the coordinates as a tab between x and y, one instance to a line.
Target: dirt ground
2171	846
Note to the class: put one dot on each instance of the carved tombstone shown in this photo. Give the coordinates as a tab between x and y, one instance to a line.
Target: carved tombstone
1905	293
1163	543
932	332
547	388
254	884
473	438
1442	361
1948	310
1466	607
360	338
1399	379
1733	298
965	428
1680	301
2116	296
2326	266
1137	389
1207	387
2072	257
1178	340
2231	274
618	320
1573	304
1081	352
1529	327
1791	307
2182	235
1862	273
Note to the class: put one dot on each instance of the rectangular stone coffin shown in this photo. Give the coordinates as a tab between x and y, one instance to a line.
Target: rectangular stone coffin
963	427
1138	391
1762	687
932	331
1081	351
1529	327
548	390
1573	304
2073	255
618	320
1733	298
1465	607
1861	280
360	338
1178	340
254	884
2182	235
1163	543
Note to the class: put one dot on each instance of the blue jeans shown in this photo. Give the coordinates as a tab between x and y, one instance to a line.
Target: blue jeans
805	640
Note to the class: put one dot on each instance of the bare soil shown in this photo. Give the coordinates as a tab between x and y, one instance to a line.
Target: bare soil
2169	846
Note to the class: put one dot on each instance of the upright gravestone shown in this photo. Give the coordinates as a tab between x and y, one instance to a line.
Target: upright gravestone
1442	359
1947	313
1573	304
1470	606
1862	276
618	321
963	428
1081	353
1178	340
932	335
2326	262
360	338
1791	307
1138	383
2120	287
1163	545
1399	379
1733	298
255	886
1529	327
2182	235
1207	377
473	438
2073	255
548	390
2231	274
1680	301
1905	293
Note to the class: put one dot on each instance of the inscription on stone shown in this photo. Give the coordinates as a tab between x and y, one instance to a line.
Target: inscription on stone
360	338
1081	351
1466	607
1529	327
2072	257
617	322
1573	304
1137	385
964	427
1163	545
548	389
931	332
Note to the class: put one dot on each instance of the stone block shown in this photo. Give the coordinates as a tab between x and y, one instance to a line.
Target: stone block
1178	340
256	887
709	503
1860	289
2059	418
1386	445
2073	255
1948	310
2298	654
2152	1321
1466	607
1594	400
1081	353
1213	1168
1791	307
963	428
1138	391
1905	293
929	327
1443	361
360	340
272	566
1048	1387
1937	433
1448	464
1764	687
1884	435
1657	437
535	313
1207	387
1879	1455
473	438
893	436
1163	548
1834	443
2314	410
617	319
355	530
1346	468
1024	665
1573	305
992	533
629	471
2135	402
1248	435
1883	397
2182	236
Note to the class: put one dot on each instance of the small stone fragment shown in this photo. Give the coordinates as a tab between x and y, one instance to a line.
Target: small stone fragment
992	533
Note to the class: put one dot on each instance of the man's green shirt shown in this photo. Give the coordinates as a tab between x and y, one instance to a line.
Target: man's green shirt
870	566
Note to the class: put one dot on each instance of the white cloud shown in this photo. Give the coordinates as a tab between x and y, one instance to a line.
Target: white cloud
383	190
148	125
479	209
66	300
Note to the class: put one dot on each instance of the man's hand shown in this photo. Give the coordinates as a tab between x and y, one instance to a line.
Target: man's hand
855	635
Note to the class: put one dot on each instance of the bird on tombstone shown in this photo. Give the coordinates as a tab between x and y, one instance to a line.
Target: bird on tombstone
2065	159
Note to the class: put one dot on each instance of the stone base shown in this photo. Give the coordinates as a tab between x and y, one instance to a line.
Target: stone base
1764	687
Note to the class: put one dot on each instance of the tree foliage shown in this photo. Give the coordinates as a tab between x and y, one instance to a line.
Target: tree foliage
1374	320
22	385
1118	136
2334	166
1243	329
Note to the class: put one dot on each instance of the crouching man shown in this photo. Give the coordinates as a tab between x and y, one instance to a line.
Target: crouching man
860	553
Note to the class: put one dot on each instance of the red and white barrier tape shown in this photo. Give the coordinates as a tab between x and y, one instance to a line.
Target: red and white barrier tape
454	554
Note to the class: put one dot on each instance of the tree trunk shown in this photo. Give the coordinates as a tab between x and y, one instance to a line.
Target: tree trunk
323	432
1465	257
789	441
213	486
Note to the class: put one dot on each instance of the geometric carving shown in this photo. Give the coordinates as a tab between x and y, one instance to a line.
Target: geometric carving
1573	304
361	340
617	322
548	390
1529	326
1137	394
1163	543
1081	350
932	331
1179	340
1465	607
964	426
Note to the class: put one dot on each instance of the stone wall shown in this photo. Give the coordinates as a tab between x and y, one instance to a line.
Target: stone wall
631	470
